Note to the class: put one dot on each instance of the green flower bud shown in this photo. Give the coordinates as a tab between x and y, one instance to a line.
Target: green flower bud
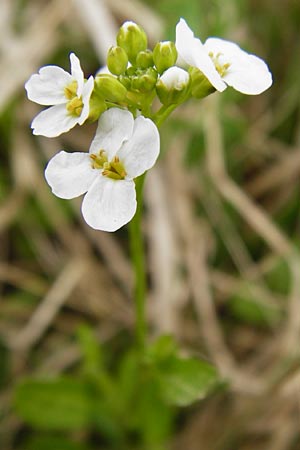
144	59
131	71
125	80
108	87
200	86
164	55
173	86
117	60
146	81
133	39
97	107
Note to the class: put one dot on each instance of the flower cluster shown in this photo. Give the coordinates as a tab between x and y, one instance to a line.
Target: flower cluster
122	98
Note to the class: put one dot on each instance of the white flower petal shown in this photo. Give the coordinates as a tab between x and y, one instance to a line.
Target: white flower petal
227	48
251	79
77	73
70	174
86	95
175	78
140	153
109	204
47	86
115	126
53	121
247	73
192	51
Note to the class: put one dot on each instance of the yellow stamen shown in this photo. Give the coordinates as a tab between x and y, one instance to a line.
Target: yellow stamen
70	90
221	68
74	106
98	160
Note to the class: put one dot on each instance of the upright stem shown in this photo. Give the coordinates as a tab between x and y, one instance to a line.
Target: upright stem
137	244
138	262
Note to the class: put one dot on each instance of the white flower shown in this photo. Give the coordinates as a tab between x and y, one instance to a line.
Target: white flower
175	78
69	93
122	149
223	62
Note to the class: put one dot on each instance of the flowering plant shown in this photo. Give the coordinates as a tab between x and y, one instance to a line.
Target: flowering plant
130	99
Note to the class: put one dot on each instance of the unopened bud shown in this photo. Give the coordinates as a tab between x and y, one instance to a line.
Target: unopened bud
200	86
144	59
172	86
146	81
164	55
117	60
108	87
125	80
133	39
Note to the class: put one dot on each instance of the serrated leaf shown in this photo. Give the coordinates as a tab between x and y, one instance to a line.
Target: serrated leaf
183	381
61	404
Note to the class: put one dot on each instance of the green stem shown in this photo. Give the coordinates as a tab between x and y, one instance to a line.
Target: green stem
138	261
163	113
137	245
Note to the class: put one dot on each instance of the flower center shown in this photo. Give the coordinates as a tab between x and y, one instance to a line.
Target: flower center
113	169
221	68
74	105
70	90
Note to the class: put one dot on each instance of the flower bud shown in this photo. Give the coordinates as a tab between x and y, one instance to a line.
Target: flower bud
172	86
146	81
144	59
117	60
164	55
200	86
133	39
125	80
108	87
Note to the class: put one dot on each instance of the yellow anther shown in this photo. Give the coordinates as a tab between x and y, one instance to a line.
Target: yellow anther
99	160
113	169
112	175
70	90
74	106
221	68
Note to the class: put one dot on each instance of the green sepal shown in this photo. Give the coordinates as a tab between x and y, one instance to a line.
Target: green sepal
97	107
200	85
110	88
170	95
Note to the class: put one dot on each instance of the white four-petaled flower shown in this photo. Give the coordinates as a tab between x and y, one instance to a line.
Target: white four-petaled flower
222	62
122	149
69	93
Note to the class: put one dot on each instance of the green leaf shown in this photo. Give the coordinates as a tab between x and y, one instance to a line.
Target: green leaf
247	306
183	381
161	349
49	442
154	416
252	311
279	277
91	350
61	404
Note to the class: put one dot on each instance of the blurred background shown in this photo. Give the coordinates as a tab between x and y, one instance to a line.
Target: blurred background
222	230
